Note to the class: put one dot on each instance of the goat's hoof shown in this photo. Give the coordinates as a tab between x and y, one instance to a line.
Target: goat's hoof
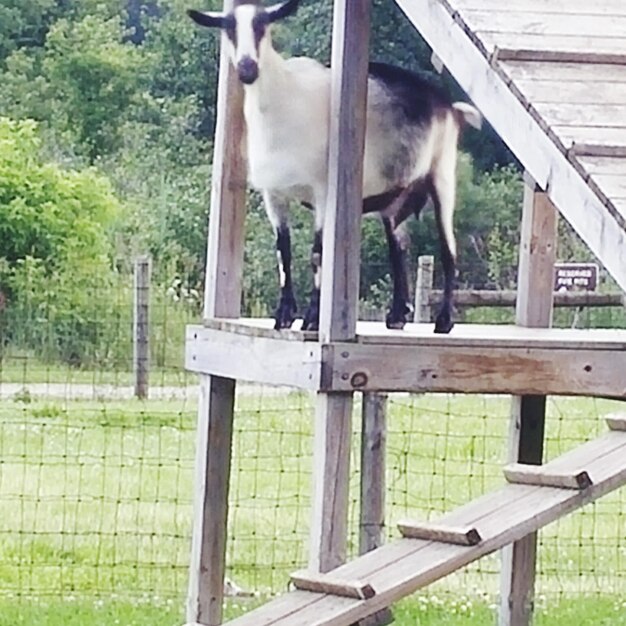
443	324
310	324
285	315
398	316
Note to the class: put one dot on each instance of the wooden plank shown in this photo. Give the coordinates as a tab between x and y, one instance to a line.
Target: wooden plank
340	277
562	7
566	72
468	536
613	185
216	406
522	474
324	583
534	307
617	422
469	63
609	166
403	566
373	484
526	370
506	298
579	92
545	23
588	115
265	360
608	136
563	48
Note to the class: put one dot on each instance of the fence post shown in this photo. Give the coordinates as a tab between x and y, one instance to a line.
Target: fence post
141	325
423	288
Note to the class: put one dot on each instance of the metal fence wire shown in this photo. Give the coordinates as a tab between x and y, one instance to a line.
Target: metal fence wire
96	485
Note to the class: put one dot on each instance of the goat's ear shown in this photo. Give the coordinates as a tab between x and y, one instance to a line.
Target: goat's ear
281	10
207	18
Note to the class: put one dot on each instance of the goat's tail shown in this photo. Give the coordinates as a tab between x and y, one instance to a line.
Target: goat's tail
468	114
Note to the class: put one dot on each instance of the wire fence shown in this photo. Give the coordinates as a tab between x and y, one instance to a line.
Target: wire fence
96	485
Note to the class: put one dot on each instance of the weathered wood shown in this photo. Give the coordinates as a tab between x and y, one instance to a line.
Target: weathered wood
373	484
488	87
423	288
403	566
222	298
617	422
566	72
612	137
507	298
604	165
522	474
141	325
546	24
574	92
587	115
541	7
535	281
468	536
267	360
324	583
340	277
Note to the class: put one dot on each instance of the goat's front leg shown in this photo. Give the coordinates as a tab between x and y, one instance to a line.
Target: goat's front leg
277	211
311	319
401	309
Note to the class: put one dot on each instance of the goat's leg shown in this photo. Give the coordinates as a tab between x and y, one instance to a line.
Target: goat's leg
401	308
443	195
311	319
286	309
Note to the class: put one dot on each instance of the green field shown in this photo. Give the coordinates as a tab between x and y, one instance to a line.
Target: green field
95	506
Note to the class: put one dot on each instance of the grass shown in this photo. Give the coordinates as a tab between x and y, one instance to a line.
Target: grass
95	506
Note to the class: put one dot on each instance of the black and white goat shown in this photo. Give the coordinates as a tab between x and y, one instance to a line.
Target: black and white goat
412	132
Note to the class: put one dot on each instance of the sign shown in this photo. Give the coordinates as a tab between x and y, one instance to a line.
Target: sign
575	276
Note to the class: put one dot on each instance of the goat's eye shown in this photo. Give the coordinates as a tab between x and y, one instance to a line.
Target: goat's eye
259	24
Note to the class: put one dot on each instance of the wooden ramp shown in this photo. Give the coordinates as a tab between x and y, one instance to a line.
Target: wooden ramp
550	77
533	497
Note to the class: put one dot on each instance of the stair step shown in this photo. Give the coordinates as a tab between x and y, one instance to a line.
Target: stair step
325	583
538	475
461	536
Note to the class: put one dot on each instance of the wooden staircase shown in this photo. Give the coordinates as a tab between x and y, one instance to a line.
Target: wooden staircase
533	497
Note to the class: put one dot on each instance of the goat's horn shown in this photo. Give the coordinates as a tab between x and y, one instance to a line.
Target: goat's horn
281	10
207	18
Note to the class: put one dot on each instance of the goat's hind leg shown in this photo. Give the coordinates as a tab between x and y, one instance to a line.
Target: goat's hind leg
286	309
443	195
401	309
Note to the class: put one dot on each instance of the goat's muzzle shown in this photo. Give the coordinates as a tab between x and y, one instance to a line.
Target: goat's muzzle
248	70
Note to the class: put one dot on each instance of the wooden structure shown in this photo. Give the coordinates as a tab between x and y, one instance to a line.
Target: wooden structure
529	78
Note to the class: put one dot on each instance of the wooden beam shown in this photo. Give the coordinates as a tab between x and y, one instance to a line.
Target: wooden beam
617	422
424	288
267	360
508	111
521	474
222	298
373	484
535	283
507	298
340	276
467	536
324	583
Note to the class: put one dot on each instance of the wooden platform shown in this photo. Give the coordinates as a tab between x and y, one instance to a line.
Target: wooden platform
472	359
399	568
550	77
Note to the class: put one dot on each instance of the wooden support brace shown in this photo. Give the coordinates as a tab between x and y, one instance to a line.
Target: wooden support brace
438	532
324	583
522	474
617	422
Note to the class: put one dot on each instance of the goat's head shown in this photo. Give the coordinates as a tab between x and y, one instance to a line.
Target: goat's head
246	28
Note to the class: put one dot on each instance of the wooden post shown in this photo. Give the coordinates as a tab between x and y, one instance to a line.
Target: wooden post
141	325
373	441
340	277
423	288
535	286
217	395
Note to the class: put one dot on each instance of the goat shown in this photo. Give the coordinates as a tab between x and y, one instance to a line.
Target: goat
412	131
